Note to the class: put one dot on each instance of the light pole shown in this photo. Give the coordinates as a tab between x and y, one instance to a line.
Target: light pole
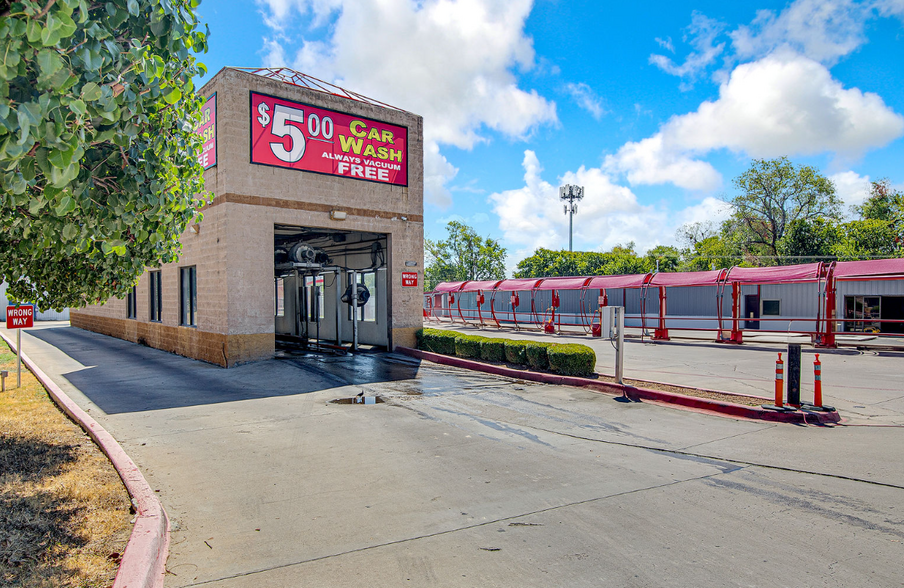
571	194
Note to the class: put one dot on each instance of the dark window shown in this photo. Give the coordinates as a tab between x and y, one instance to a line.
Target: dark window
156	297
772	307
189	289
131	311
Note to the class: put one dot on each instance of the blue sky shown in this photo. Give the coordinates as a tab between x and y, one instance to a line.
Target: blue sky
653	107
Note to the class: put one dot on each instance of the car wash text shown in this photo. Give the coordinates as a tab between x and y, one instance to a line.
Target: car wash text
303	137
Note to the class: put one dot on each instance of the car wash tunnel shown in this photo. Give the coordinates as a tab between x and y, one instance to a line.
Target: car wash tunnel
330	289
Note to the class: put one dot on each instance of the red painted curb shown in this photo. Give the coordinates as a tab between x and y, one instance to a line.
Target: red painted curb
715	407
144	559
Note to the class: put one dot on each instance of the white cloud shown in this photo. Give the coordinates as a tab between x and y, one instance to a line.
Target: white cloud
666	44
787	104
585	97
532	216
450	61
654	161
823	30
851	187
702	33
783	104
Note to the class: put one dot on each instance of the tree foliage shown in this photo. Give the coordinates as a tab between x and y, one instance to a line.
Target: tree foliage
464	255
773	194
98	158
546	263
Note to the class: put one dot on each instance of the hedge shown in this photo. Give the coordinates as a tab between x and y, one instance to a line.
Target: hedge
536	355
492	350
468	346
516	351
571	359
568	359
437	340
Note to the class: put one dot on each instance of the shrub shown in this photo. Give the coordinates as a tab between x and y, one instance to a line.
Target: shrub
571	359
468	346
492	350
438	341
516	351
536	355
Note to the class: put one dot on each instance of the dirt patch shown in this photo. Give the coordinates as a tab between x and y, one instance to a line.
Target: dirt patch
686	391
64	513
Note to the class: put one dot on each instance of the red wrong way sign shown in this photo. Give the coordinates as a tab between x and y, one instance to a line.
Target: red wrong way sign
409	279
20	317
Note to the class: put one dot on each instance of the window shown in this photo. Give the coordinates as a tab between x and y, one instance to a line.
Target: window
772	307
280	298
368	312
189	296
156	298
131	311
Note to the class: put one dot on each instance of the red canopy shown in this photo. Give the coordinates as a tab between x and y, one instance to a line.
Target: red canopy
873	267
626	281
448	286
476	285
517	284
563	283
707	278
774	275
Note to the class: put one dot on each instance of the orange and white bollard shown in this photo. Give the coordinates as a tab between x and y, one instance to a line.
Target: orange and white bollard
779	381
817	381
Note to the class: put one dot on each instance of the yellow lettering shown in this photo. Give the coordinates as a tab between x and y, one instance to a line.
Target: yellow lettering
374	134
395	155
351	143
382	153
369	151
387	136
357	124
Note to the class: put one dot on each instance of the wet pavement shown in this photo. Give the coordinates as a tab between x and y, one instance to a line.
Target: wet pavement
466	479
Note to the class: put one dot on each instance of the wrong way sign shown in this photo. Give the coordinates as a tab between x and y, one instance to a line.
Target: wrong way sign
20	317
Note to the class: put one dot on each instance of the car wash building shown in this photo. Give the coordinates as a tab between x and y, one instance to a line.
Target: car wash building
314	235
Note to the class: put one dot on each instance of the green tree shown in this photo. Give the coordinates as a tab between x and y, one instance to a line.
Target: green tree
98	158
710	253
544	263
869	239
773	194
664	257
884	203
464	255
808	241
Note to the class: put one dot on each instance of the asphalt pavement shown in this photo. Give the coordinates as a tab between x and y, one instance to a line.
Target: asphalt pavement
466	479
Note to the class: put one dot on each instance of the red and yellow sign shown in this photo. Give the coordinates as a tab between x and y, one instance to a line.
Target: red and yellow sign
208	130
298	136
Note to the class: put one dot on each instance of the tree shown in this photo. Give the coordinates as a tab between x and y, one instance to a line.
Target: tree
773	194
884	203
98	159
710	253
464	255
808	241
546	263
665	258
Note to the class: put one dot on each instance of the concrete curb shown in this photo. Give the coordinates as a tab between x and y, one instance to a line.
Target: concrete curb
715	407
144	559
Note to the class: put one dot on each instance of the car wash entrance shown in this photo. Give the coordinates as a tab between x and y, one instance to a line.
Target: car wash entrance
330	288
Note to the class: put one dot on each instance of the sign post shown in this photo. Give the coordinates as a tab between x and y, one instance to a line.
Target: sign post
20	317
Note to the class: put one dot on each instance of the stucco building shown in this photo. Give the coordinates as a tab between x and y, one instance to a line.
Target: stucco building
314	188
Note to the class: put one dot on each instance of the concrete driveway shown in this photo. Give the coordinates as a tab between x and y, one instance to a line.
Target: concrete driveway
464	479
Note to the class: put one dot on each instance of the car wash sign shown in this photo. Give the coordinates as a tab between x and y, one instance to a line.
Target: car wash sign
300	136
208	131
20	317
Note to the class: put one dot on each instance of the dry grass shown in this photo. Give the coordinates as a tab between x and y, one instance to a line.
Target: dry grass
64	513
